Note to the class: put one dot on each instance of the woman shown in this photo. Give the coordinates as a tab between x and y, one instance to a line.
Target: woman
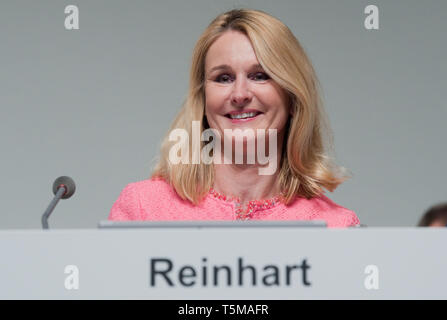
248	72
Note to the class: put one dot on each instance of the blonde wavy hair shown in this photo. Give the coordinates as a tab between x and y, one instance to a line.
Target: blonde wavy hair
306	167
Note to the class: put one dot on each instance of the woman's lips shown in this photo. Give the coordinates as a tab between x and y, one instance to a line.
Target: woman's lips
243	120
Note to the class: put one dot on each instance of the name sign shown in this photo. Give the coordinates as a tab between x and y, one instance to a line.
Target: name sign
224	263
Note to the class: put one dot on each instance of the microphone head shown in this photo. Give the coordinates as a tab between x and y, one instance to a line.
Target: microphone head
66	182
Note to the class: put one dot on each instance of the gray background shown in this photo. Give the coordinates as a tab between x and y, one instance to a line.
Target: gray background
95	103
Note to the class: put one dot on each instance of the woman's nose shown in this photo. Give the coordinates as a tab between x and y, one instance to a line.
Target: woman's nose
241	94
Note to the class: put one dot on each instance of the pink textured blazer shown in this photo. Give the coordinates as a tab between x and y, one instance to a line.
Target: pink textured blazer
155	199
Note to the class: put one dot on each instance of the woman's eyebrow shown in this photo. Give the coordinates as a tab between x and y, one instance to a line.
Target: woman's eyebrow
227	67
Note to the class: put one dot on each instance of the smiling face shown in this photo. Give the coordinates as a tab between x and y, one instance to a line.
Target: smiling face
238	92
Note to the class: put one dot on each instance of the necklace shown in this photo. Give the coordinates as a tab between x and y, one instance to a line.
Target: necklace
252	205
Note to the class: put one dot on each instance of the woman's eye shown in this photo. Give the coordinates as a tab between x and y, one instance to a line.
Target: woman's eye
261	76
223	78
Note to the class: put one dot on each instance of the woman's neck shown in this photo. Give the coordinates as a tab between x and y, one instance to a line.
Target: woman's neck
244	182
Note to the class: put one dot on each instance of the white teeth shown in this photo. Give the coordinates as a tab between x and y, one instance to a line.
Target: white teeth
243	115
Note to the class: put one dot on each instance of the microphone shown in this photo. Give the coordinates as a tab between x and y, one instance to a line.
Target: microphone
63	188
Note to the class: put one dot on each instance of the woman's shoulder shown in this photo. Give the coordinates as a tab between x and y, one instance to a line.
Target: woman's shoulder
137	195
322	207
149	185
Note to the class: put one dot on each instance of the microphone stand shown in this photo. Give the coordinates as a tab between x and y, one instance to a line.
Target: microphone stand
60	192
